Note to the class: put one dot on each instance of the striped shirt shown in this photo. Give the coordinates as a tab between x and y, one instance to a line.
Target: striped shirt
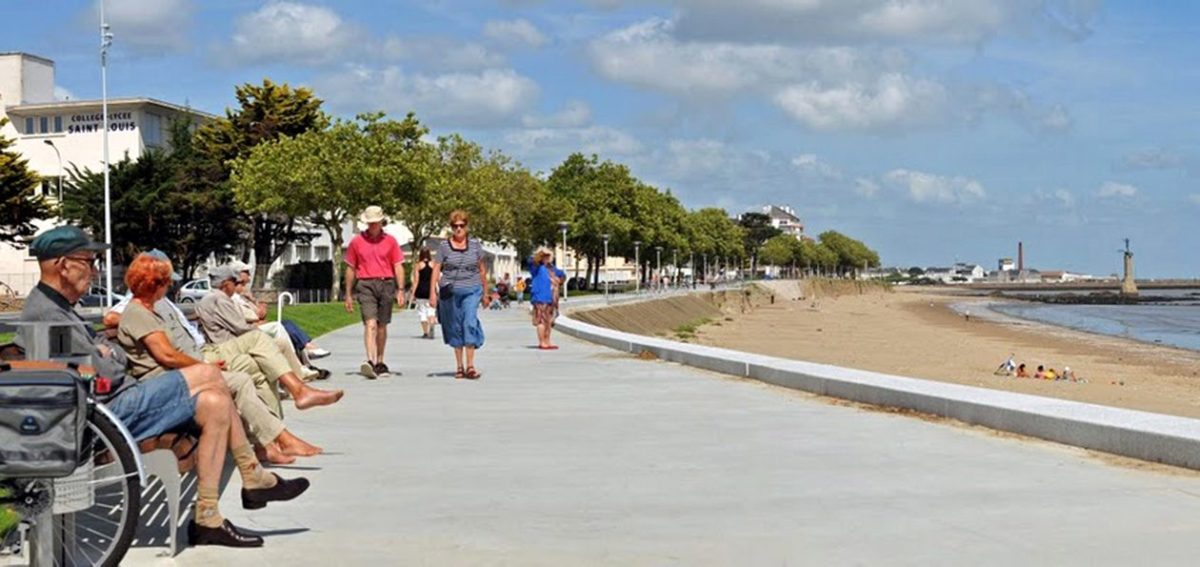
460	268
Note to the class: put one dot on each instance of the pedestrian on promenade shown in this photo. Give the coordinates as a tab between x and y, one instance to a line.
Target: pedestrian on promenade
543	295
375	278
520	288
422	279
460	279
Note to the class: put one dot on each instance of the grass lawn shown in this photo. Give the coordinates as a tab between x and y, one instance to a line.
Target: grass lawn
6	338
318	318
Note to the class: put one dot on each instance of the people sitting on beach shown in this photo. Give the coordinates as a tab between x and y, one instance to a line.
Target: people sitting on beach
173	398
1006	368
265	429
229	335
1041	372
1068	374
1050	375
1021	371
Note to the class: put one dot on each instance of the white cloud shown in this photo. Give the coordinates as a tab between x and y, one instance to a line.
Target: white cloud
555	143
514	33
61	93
293	32
1154	158
148	25
574	114
1112	189
441	54
967	22
921	187
866	187
894	100
487	98
646	54
813	165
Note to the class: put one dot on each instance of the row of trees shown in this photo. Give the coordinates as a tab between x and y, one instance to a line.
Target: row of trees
276	167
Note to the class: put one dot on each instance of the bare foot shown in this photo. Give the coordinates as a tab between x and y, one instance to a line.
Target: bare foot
312	397
295	446
274	455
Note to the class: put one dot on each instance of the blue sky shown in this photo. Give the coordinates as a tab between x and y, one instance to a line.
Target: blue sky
935	130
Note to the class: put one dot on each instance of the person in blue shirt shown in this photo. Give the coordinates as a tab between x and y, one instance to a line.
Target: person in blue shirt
544	282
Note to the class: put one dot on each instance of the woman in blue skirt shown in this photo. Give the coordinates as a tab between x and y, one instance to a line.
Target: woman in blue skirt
460	277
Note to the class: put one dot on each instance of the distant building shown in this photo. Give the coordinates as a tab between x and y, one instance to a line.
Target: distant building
45	129
785	219
1007	265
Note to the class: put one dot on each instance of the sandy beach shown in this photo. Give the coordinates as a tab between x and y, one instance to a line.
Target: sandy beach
916	333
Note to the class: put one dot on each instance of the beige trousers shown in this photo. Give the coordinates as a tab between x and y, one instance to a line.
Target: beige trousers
256	354
262	425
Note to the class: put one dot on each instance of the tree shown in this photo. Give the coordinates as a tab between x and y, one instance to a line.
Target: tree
320	176
852	254
160	202
20	204
265	112
778	250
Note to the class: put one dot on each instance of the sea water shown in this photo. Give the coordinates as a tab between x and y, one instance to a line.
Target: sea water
1175	324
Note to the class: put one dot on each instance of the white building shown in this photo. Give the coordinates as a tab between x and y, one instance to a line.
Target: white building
46	130
785	219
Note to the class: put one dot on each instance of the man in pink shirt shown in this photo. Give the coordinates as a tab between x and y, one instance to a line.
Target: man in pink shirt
374	277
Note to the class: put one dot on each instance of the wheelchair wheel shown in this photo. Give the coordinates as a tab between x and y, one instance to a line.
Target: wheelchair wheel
96	508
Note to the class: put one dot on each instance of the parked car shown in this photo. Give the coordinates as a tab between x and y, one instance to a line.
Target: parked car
194	291
94	297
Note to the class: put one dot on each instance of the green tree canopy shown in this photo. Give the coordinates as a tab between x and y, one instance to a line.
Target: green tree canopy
20	204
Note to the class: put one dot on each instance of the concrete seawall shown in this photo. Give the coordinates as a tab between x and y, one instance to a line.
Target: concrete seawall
1142	435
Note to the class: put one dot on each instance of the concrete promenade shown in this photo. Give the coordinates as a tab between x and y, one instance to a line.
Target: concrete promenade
588	456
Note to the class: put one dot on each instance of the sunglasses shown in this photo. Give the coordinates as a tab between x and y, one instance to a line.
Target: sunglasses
459	225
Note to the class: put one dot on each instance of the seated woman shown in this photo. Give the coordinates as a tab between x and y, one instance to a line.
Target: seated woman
1022	372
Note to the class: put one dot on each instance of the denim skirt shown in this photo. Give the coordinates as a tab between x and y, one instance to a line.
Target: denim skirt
458	312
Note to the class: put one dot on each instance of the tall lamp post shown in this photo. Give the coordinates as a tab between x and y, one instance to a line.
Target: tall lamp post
605	265
106	38
563	227
637	266
658	263
705	255
692	267
675	267
60	167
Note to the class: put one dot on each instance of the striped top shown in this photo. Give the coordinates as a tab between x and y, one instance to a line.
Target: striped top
460	268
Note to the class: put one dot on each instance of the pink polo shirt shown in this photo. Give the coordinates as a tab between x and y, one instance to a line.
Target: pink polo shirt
374	259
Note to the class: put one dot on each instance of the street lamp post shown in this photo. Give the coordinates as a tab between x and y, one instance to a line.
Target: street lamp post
106	38
60	168
637	266
675	267
605	265
692	267
658	263
563	227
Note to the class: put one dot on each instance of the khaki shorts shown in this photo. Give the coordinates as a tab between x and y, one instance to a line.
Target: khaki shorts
375	299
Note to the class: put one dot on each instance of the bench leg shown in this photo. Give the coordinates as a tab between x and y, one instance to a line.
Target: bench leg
163	464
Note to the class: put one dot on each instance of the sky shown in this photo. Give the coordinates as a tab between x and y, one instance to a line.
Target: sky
934	130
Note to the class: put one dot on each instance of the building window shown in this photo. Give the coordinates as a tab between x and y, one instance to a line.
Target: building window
303	252
44	122
58	125
152	130
28	126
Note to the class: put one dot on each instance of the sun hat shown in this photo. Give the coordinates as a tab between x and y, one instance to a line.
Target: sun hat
372	214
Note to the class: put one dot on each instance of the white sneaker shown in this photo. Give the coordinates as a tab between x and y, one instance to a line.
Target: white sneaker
317	352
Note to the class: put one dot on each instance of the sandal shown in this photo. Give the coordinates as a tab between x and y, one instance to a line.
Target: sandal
472	373
459	374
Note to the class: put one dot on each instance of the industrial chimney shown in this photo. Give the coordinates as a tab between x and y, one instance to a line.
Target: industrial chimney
1020	257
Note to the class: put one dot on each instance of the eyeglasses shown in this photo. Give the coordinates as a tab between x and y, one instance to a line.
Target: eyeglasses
92	262
458	225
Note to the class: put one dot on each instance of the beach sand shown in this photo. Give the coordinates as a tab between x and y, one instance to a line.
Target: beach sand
916	333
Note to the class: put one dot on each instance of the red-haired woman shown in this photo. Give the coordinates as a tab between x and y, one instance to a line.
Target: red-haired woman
459	278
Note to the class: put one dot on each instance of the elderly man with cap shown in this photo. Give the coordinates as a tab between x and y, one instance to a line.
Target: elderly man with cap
374	277
229	335
67	261
274	442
